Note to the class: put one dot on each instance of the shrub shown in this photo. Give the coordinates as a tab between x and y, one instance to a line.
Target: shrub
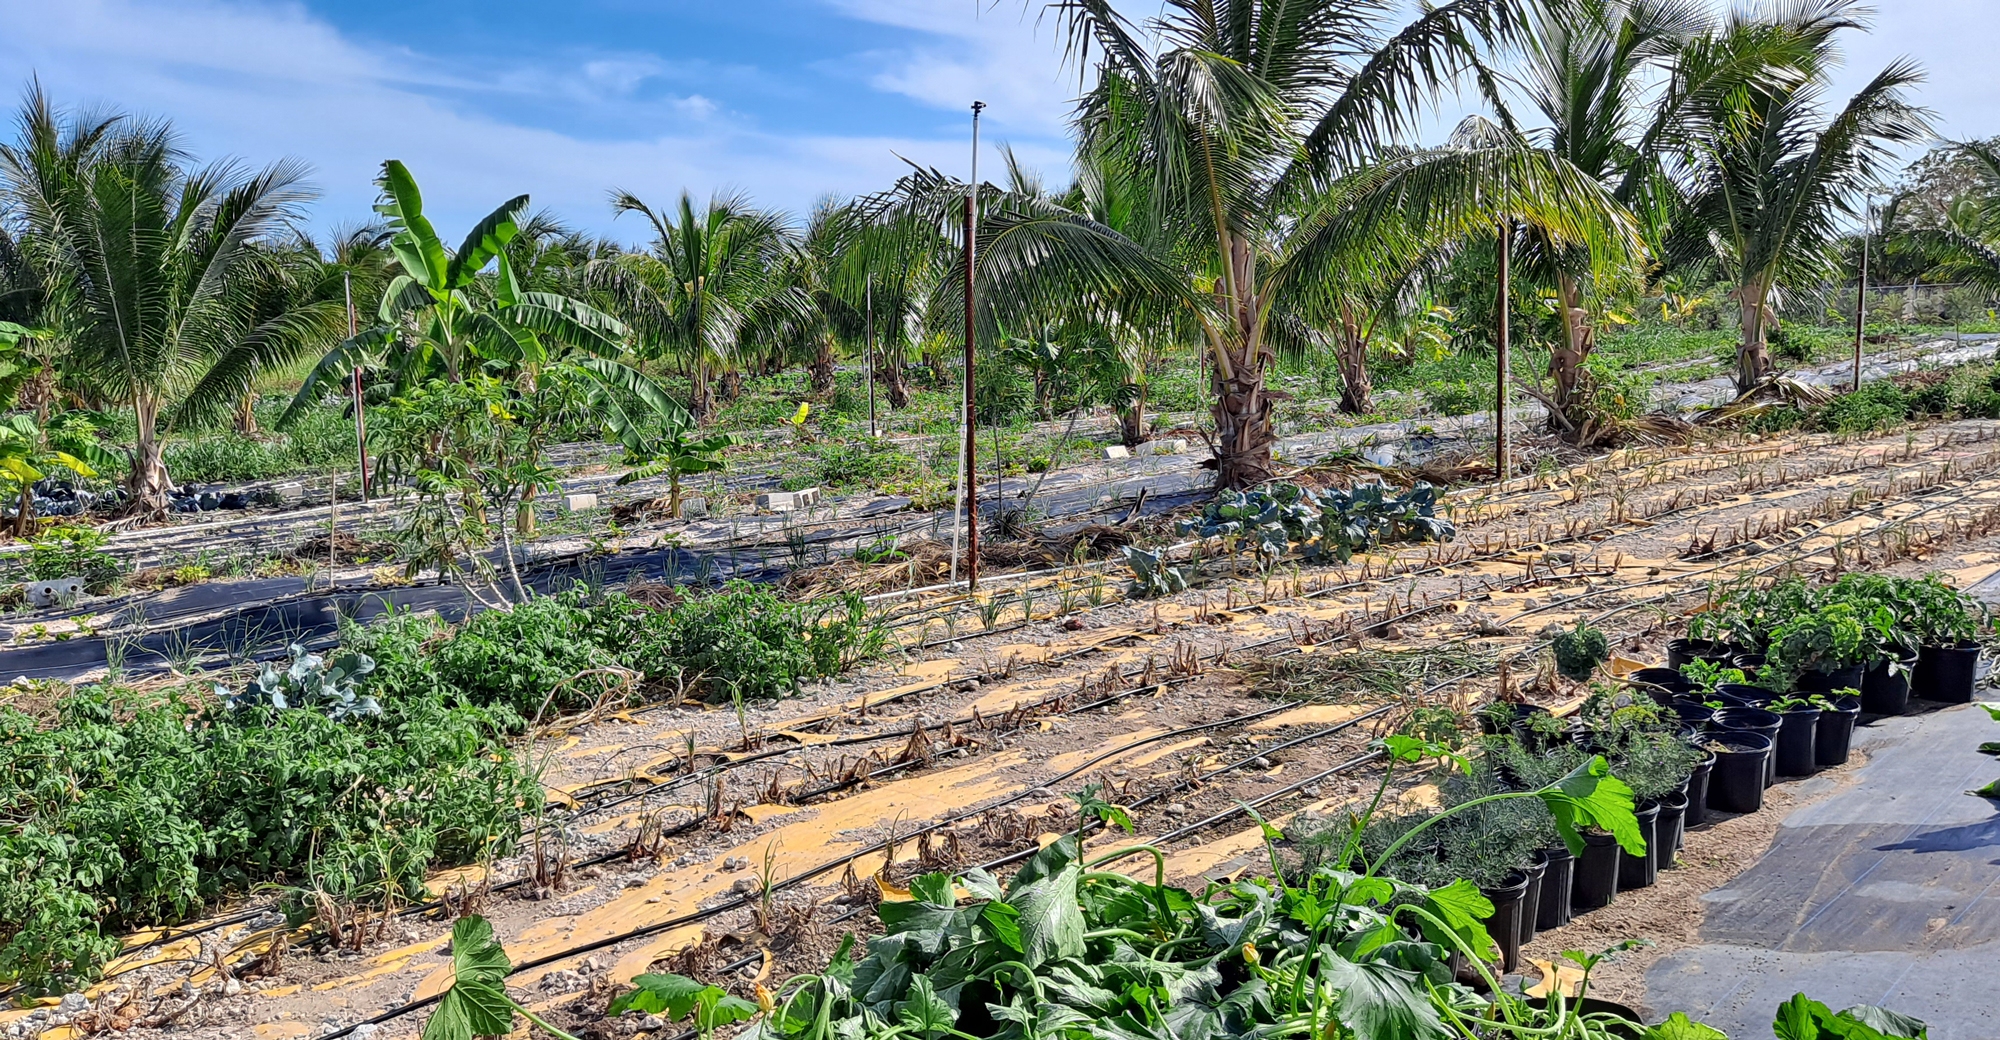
524	658
66	552
1876	406
1456	398
126	812
745	640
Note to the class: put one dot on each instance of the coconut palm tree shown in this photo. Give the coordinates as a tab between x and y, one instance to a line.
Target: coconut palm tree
1962	243
693	293
1773	175
157	270
1244	113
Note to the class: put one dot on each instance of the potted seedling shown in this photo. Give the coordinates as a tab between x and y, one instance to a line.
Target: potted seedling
1818	651
1945	622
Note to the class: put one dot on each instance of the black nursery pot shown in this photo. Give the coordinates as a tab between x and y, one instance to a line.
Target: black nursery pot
1753	720
1749	661
1836	732
1687	651
1692	713
1743	695
1945	673
1844	678
1640	871
1697	793
1797	736
1662	684
1667	830
1531	902
1596	882
1736	784
1553	910
1883	693
1505	924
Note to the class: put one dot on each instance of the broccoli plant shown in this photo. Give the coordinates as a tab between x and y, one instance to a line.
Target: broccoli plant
1151	577
1580	651
1333	524
311	681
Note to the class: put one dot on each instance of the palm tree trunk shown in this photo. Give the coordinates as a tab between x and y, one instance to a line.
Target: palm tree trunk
1244	434
1753	357
701	403
732	385
889	373
1567	357
148	485
821	370
1132	421
246	415
1350	356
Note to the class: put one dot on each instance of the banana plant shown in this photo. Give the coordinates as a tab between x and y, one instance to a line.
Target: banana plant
27	453
442	316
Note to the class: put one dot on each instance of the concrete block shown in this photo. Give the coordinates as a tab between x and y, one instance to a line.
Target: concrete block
1117	451
579	502
291	493
54	593
1173	446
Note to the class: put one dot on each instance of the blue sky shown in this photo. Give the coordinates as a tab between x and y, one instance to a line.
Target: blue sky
782	99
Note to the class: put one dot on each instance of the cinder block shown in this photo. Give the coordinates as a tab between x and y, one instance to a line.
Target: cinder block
579	502
291	493
788	501
1117	451
54	593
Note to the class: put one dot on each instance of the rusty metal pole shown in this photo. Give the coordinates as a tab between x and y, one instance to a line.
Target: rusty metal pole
1861	295
971	336
1500	467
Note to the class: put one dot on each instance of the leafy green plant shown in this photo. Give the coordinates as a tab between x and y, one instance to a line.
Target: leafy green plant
310	681
1707	675
131	810
1279	519
1066	945
476	1004
678	997
1824	640
1802	1018
677	456
66	552
1579	651
1151	576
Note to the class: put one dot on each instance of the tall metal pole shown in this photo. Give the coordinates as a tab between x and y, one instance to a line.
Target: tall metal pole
868	294
1500	467
1861	294
971	334
360	418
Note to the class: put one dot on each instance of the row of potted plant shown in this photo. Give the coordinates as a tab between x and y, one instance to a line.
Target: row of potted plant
1510	849
1886	637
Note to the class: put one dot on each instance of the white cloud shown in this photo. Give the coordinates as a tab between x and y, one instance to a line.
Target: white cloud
265	80
996	52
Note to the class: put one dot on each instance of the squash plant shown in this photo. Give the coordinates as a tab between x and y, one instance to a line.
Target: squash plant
1823	640
1068	946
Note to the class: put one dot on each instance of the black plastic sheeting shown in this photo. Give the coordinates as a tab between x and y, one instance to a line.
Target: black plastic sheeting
261	618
